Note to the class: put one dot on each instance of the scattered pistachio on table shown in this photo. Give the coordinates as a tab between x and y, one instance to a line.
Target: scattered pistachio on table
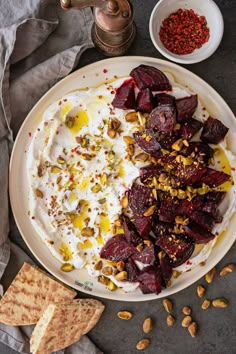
147	325
210	275
167	305
201	291
192	328
206	303
227	269
143	344
170	320
124	315
220	303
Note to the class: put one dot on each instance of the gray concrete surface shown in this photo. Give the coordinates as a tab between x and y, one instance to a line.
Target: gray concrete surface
217	327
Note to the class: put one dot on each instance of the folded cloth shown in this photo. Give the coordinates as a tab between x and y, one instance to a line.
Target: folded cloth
40	44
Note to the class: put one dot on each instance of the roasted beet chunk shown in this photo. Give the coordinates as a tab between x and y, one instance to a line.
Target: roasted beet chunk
166	267
213	131
215	197
186	207
197	233
167	140
168	207
143	225
202	219
148	142
210	207
186	106
178	247
144	101
146	76
189	175
164	99
117	249
214	178
150	280
150	171
212	201
139	198
131	234
147	256
197	150
160	228
125	96
190	128
132	270
162	118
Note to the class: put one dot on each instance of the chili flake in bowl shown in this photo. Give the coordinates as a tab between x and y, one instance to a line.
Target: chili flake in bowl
186	32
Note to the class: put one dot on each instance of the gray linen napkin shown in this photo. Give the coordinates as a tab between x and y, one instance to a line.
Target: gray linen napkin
39	45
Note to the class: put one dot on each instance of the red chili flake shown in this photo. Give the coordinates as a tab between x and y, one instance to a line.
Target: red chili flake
233	168
57	132
45	123
38	129
184	31
105	71
30	134
33	218
65	99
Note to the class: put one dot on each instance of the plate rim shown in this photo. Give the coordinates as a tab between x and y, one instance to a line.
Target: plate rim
99	63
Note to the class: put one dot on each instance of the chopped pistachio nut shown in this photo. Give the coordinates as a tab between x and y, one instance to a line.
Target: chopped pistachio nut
96	188
70	121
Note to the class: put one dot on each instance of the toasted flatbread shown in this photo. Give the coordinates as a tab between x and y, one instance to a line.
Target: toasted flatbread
29	294
63	324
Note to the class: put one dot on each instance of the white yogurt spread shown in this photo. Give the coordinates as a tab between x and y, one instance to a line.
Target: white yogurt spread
78	176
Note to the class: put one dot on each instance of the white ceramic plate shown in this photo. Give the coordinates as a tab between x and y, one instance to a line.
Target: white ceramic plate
93	75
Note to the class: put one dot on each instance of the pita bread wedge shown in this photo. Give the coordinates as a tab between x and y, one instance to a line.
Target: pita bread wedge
63	324
29	294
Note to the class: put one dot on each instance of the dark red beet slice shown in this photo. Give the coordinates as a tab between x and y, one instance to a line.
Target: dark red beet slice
150	280
146	76
186	106
165	267
214	178
215	197
198	149
150	171
189	175
190	128
202	219
213	131
178	247
197	233
132	270
139	198
131	234
162	118
145	101
125	96
186	207
147	256
167	209
210	207
143	226
147	142
164	98
161	228
117	249
167	140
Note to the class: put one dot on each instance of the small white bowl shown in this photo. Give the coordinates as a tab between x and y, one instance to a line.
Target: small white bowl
207	8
